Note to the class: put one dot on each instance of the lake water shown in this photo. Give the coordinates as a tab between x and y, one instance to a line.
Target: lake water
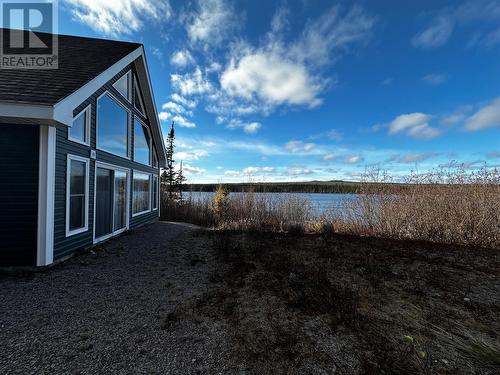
320	203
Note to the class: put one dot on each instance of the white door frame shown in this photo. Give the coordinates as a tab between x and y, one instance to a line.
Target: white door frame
112	167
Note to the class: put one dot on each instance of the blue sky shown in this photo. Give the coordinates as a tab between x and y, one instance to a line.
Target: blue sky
314	90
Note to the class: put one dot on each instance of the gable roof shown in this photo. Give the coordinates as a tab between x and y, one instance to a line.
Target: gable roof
80	60
49	96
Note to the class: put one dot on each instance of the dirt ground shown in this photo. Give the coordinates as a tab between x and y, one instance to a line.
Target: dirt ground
169	298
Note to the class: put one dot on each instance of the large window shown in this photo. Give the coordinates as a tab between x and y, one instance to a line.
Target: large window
123	86
80	130
77	195
141	198
112	126
138	102
155	192
142	143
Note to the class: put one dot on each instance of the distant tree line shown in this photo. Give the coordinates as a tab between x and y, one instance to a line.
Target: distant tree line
333	187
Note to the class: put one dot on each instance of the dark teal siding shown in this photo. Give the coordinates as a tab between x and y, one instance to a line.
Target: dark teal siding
19	155
63	245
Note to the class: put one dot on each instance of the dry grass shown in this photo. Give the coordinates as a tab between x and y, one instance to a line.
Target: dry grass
445	206
249	211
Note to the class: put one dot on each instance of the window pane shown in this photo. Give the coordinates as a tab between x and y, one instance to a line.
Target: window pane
112	127
140	200
122	86
77	131
77	177
139	104
77	194
155	192
120	200
141	143
77	212
155	158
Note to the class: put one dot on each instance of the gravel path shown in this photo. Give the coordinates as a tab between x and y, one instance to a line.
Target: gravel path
109	310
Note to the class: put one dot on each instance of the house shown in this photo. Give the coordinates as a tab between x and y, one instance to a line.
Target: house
80	151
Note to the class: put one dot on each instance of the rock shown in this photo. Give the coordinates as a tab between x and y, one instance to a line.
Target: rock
467	299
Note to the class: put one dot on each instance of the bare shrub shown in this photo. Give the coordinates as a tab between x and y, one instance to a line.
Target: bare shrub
446	206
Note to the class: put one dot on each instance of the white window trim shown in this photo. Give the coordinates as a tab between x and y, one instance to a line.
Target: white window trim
129	84
99	164
132	192
86	112
150	142
68	188
137	90
129	130
157	192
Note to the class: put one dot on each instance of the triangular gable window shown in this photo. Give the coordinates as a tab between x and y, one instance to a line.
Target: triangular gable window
123	86
138	101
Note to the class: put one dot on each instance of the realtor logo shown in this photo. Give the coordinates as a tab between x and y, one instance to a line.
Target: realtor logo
28	37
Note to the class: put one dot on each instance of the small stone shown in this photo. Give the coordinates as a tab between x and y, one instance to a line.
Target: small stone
467	299
445	361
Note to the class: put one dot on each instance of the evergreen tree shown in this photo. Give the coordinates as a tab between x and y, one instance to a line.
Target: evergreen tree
180	180
168	177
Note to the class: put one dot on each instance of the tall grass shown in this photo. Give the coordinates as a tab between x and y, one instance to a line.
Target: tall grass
445	206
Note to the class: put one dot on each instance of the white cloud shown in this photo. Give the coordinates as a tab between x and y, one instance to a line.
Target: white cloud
484	14
176	108
190	156
164	116
435	79
353	159
231	173
329	157
254	170
248	127
486	117
252	127
189	169
113	17
182	100
334	31
191	83
435	35
415	125
457	116
279	72
182	58
183	122
411	158
212	23
157	53
295	147
272	79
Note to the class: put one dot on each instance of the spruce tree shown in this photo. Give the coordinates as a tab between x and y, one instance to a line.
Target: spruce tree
169	175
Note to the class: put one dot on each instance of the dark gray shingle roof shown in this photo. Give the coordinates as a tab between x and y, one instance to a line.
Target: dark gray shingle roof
80	60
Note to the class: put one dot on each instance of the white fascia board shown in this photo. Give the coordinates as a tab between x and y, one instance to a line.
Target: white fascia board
63	111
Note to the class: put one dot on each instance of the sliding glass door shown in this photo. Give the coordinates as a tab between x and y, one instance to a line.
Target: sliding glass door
111	207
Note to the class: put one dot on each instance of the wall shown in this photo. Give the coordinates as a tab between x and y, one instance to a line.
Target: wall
63	245
19	154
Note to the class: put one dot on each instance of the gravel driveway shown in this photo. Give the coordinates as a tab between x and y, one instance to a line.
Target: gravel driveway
108	311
